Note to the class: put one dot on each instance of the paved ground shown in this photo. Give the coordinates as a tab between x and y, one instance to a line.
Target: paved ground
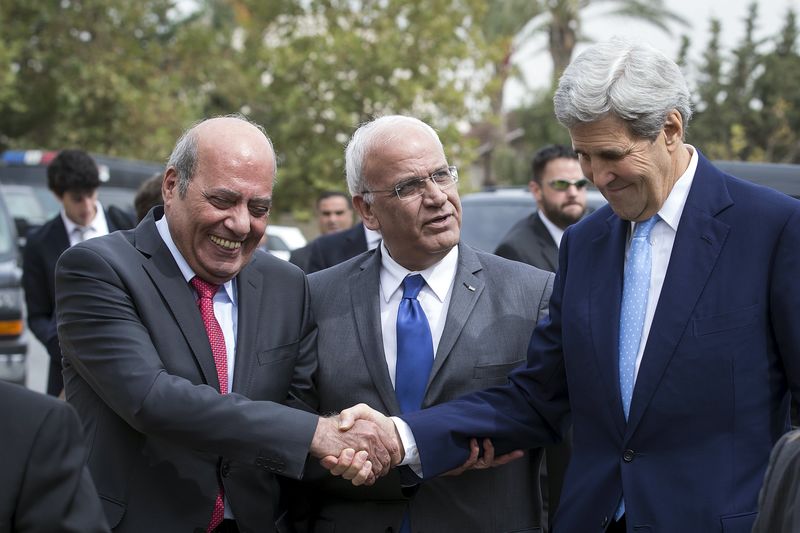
38	363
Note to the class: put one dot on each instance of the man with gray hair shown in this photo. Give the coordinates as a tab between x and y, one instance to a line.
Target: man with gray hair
180	344
419	321
672	337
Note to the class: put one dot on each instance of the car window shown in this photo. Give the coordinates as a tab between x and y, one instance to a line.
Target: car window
275	243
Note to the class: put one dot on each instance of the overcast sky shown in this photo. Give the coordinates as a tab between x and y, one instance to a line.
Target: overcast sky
535	63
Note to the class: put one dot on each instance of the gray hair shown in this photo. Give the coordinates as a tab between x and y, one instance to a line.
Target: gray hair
184	156
370	136
633	82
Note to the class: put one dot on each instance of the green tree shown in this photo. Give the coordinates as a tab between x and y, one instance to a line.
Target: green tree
312	73
777	90
91	73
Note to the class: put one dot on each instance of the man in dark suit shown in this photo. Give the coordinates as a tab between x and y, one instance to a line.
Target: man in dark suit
180	343
481	311
334	213
674	352
559	187
73	178
329	250
44	483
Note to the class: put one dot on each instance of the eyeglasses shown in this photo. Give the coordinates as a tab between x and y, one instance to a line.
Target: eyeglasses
444	178
563	185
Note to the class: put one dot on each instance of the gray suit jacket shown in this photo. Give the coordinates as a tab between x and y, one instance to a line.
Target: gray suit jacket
493	308
139	371
528	241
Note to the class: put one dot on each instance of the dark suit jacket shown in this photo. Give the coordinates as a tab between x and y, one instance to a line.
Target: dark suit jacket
493	308
779	500
335	248
711	397
138	368
44	483
43	247
300	257
528	241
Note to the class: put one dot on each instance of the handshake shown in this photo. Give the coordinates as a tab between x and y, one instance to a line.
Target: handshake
361	444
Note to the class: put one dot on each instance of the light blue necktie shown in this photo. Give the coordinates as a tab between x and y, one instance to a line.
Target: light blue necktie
414	347
631	319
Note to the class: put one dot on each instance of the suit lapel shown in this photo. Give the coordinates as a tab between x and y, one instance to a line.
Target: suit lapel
608	250
467	288
364	294
177	295
250	295
698	243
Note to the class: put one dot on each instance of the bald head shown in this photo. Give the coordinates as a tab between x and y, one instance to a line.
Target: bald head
228	134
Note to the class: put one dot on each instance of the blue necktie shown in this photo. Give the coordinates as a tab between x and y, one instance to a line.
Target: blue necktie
414	356
631	320
414	347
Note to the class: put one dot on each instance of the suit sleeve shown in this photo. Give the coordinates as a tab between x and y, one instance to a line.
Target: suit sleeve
41	315
104	338
57	492
530	411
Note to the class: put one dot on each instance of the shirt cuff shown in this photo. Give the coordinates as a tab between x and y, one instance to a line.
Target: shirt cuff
411	458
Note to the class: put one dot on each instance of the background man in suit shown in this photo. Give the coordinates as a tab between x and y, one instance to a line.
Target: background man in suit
334	213
330	250
180	343
559	187
481	311
44	483
677	366
73	178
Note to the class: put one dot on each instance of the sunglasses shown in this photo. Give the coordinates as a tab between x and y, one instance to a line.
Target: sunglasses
563	185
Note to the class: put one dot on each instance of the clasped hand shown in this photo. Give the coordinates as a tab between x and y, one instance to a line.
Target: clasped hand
361	445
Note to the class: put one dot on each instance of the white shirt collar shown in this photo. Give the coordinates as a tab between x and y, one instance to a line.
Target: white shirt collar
555	232
673	206
439	277
163	229
98	223
373	238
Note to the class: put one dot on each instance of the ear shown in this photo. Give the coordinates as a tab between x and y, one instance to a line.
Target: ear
673	130
536	190
365	212
169	186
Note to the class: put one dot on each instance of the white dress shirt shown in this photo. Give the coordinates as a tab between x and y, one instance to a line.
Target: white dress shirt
373	238
96	228
226	310
434	298
662	238
555	232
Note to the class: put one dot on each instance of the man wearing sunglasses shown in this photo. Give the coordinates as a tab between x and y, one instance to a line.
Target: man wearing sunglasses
559	187
466	325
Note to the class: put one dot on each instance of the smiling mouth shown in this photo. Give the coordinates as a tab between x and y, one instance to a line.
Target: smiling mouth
225	243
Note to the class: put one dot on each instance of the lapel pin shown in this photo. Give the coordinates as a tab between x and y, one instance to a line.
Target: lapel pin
470	287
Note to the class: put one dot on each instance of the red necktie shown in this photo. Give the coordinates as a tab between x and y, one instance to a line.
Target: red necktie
205	301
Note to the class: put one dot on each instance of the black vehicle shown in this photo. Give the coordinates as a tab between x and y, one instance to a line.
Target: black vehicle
23	184
13	336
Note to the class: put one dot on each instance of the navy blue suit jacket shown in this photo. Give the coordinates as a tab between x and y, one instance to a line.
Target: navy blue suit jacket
711	397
